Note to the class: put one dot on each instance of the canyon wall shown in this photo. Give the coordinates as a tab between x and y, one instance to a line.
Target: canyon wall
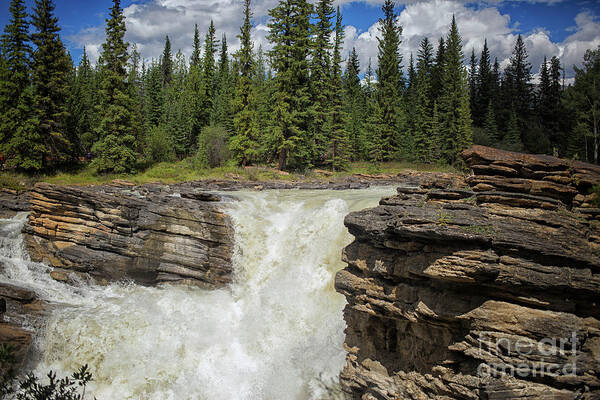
149	234
483	289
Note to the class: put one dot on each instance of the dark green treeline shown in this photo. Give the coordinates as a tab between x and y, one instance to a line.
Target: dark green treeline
303	104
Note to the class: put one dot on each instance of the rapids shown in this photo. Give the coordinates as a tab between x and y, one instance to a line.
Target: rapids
276	333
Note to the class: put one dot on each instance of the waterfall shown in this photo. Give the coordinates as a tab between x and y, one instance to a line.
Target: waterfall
276	333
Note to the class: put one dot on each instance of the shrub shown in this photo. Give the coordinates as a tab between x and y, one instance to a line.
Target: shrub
213	149
158	147
30	388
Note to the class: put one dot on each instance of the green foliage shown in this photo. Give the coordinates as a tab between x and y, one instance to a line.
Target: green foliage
51	79
213	148
455	115
244	144
290	35
339	138
158	145
392	119
115	149
320	82
32	388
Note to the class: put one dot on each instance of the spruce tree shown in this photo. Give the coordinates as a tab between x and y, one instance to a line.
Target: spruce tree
176	113
19	139
222	107
339	138
389	74
154	94
423	112
373	127
290	35
437	73
490	127
195	60
513	133
355	107
473	81
115	151
517	84
83	105
166	64
320	72
51	75
207	87
455	115
484	87
244	143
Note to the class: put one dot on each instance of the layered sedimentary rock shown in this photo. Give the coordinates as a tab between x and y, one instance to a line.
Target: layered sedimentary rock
12	202
20	312
149	234
484	290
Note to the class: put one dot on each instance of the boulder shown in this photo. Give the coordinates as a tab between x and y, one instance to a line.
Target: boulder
148	234
489	292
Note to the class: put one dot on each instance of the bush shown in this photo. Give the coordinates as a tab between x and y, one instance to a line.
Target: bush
31	388
158	147
213	149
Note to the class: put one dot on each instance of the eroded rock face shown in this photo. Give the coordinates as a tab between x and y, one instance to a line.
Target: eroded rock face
466	293
149	234
21	312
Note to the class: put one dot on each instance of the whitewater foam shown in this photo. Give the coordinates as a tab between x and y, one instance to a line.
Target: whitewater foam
276	333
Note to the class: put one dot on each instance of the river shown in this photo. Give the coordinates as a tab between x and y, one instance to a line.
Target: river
276	333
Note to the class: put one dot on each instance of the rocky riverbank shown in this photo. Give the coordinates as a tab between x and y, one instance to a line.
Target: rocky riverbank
486	289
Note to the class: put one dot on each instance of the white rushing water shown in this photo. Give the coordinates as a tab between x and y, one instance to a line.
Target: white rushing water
276	333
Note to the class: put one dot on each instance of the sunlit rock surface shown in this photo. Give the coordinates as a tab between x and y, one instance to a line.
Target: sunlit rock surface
488	289
149	234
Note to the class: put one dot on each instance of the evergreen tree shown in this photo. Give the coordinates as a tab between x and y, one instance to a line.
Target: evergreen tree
136	92
222	112
437	73
290	35
154	94
83	105
176	115
166	64
513	133
19	139
517	84
51	77
473	82
320	83
195	60
355	107
115	149
207	88
244	143
584	102
423	113
394	138
484	87
374	139
490	127
339	138
455	116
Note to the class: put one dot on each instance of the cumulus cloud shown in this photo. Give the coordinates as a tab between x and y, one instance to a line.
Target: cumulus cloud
432	19
149	22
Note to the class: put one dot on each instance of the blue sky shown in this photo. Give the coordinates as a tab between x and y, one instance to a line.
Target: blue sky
551	27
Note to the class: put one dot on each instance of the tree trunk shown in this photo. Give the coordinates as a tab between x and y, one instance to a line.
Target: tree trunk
282	159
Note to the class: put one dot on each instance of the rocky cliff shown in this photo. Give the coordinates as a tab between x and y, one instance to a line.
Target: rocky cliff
486	289
149	234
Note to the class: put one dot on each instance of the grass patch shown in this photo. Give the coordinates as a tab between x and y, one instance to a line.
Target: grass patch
184	171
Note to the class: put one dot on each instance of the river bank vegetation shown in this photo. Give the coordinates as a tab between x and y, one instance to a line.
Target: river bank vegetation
302	105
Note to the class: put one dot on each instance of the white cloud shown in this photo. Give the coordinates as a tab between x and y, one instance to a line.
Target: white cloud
432	19
149	22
